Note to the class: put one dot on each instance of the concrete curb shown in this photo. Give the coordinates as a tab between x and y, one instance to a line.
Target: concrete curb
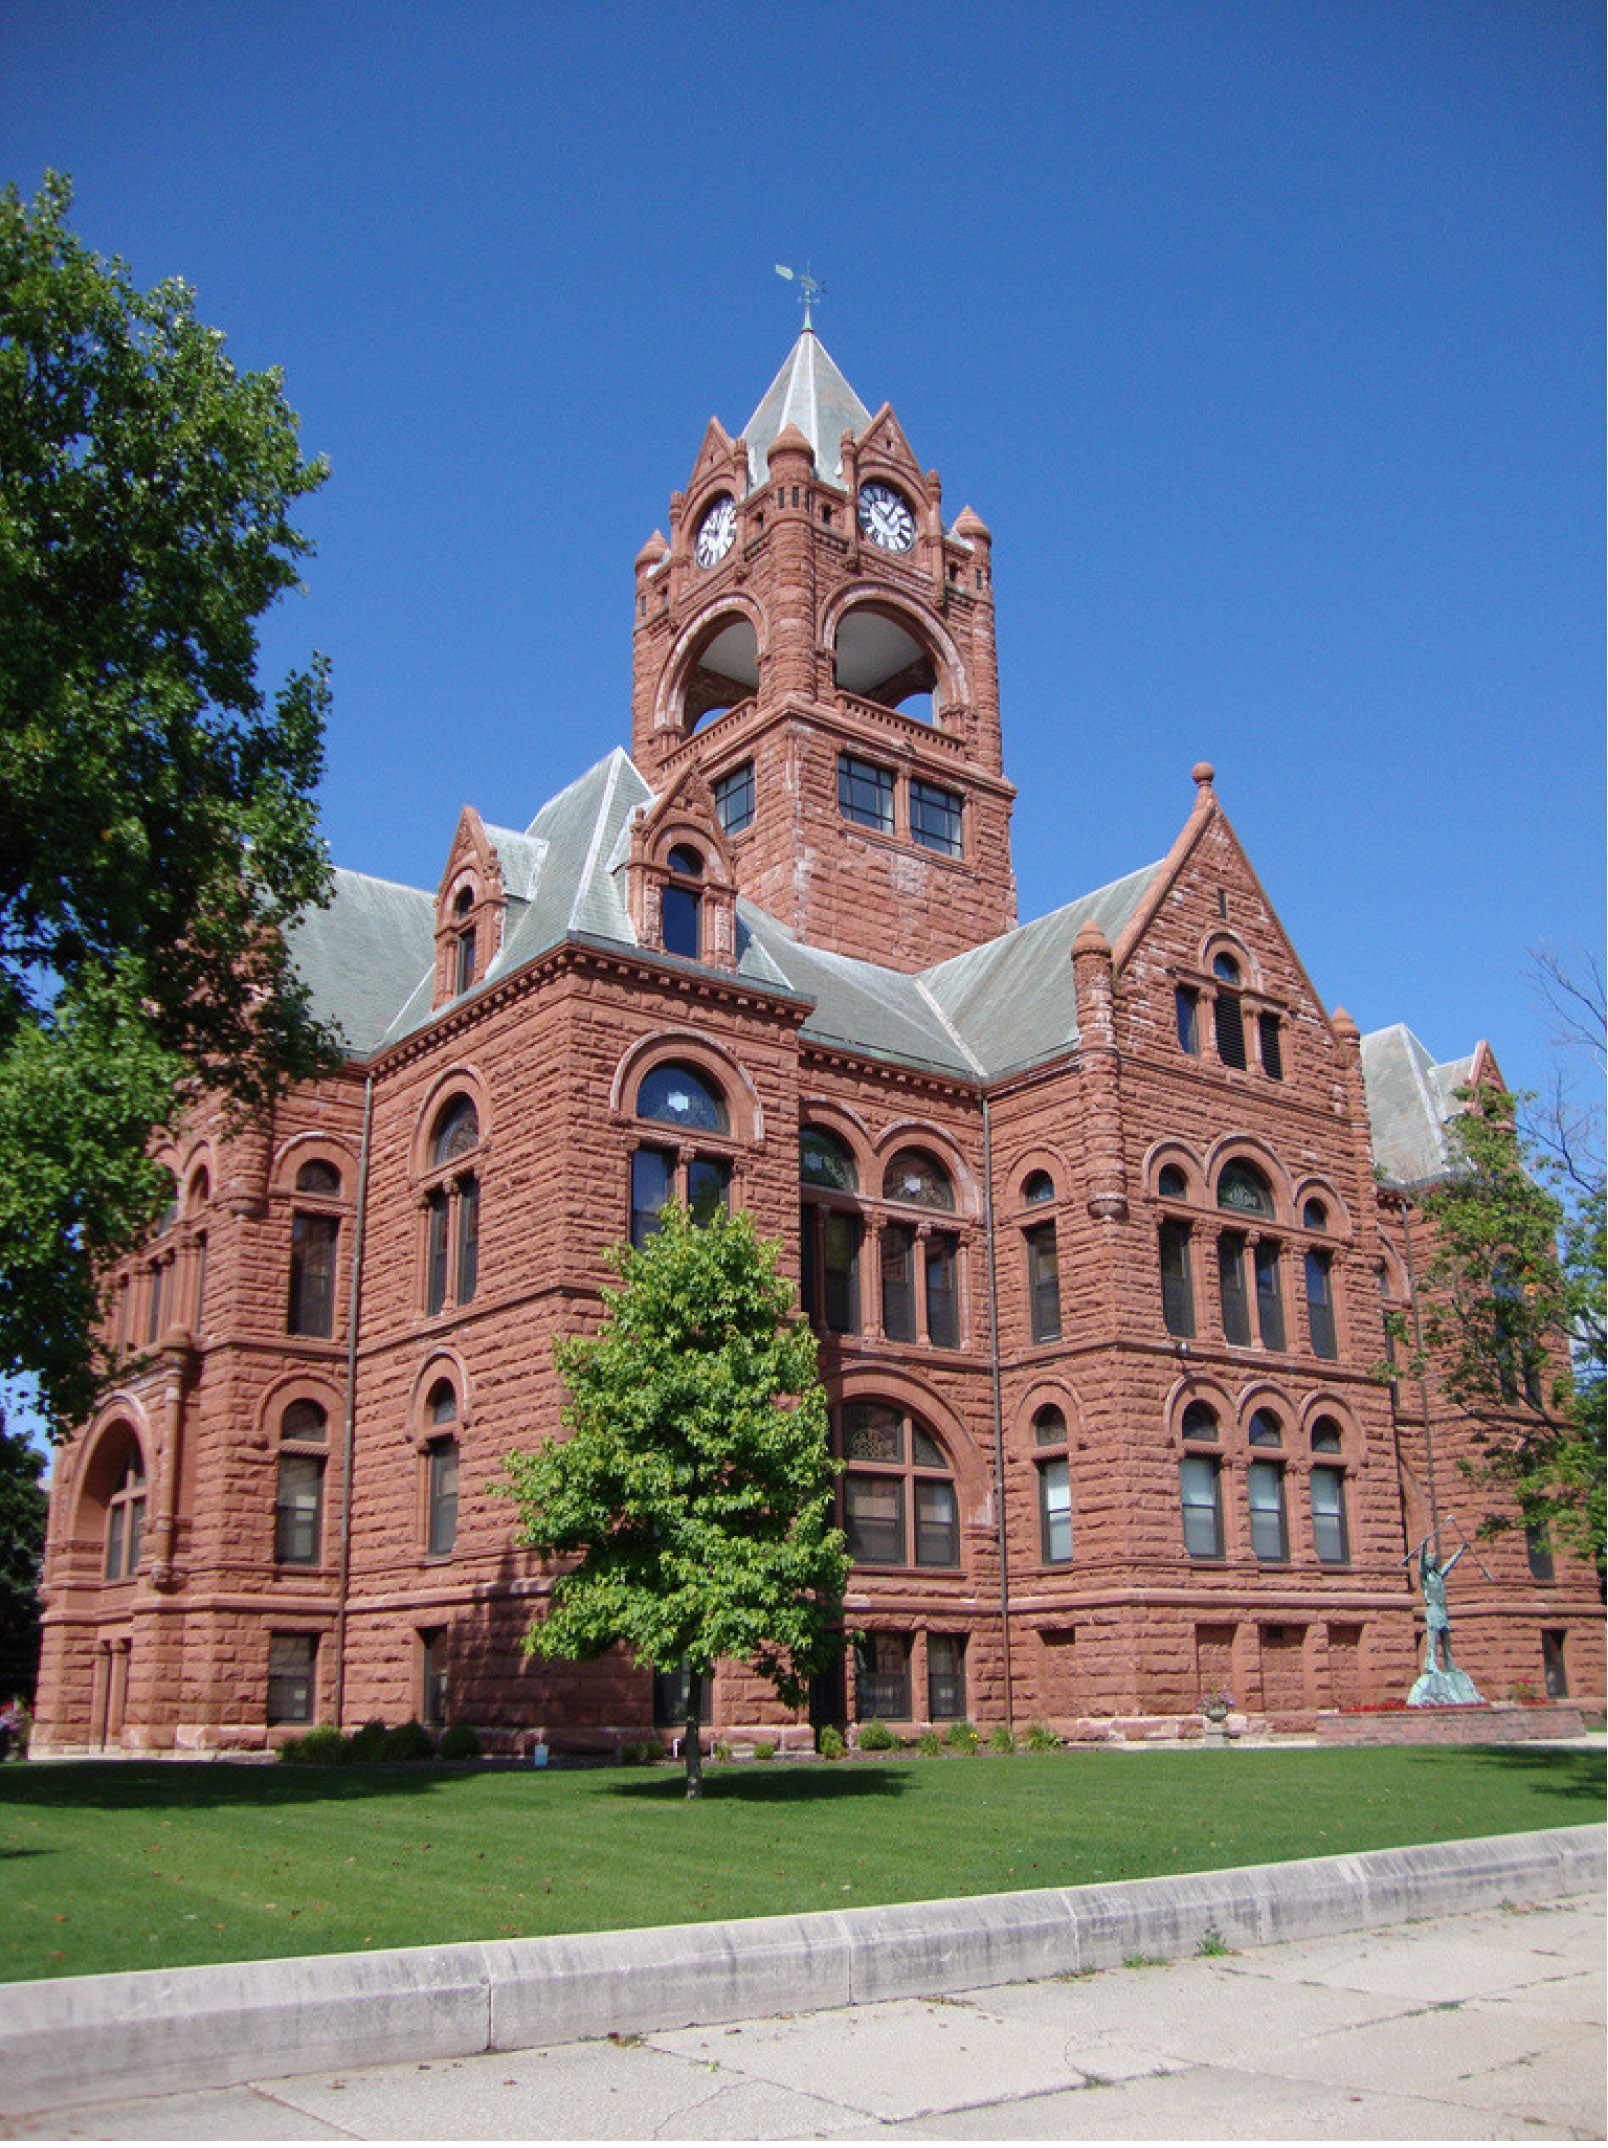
152	2031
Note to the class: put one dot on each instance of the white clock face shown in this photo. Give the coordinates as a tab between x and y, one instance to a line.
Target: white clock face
716	531
885	518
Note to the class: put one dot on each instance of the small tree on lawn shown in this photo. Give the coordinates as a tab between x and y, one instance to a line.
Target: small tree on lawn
696	1483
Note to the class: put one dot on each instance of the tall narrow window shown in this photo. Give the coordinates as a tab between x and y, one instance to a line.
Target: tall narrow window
1054	1486
125	1520
1320	1303
1269	1296
946	1677
1538	1550
1186	1012
1330	1539
442	1531
433	1678
155	1304
1230	1019
1272	1050
452	1209
1231	1281
899	1282
708	1188
463	950
943	1305
1553	1669
1043	1283
882	1678
652	1179
292	1670
1203	1507
1269	1534
298	1510
682	902
1177	1284
312	1273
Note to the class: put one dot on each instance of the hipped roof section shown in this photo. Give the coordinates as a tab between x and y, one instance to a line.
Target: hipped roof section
997	1009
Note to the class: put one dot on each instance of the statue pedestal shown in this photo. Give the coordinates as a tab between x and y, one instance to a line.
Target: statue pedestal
1445	1689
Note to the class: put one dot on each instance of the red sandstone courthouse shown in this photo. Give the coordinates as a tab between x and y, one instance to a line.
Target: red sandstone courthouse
1087	1213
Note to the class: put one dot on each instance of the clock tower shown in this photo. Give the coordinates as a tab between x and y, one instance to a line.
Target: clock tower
818	645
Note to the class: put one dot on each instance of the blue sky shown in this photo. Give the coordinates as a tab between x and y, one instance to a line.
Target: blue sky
1266	338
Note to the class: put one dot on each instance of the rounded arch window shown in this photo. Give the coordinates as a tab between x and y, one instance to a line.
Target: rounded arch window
684	859
317	1176
1037	1186
1200	1421
1326	1436
304	1419
674	1094
1315	1216
919	1180
898	1489
1240	1186
441	1407
721	670
1266	1431
125	1512
1226	968
441	1470
823	1160
457	1131
879	657
1171	1183
1054	1472
200	1190
463	902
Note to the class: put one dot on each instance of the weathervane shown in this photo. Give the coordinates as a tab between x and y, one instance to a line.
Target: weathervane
809	290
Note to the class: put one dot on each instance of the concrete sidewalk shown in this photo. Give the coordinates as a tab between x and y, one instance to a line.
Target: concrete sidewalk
1477	2027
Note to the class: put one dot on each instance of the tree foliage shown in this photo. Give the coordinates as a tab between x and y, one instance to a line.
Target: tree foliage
696	1483
23	1503
157	824
1514	1317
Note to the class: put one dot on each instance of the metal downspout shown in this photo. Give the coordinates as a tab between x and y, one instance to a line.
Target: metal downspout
351	1399
999	1419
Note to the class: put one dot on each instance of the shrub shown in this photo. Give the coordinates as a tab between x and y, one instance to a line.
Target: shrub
409	1741
1000	1739
1039	1738
322	1747
461	1741
641	1753
962	1738
929	1743
763	1749
367	1744
721	1749
829	1743
876	1737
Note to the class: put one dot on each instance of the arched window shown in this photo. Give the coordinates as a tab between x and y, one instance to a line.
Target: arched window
1242	1187
1230	1018
1054	1486
830	1233
1171	1184
441	1467
675	1094
463	955
125	1517
1200	1421
898	1491
1314	1216
917	1259
1200	1483
299	1493
452	1209
304	1419
317	1176
681	903
1036	1187
1270	1536
1331	1538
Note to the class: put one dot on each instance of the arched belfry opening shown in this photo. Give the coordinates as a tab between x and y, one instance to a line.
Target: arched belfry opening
878	658
721	671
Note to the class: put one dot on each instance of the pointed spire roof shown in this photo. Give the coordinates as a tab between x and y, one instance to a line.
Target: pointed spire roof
812	394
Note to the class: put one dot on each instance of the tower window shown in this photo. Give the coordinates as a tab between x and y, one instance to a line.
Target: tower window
1231	1284
452	1211
935	818
1320	1303
1177	1285
1270	1537
312	1274
1203	1506
1043	1284
1230	1016
865	793
1272	1050
125	1520
1329	1537
292	1668
1054	1487
1186	1011
734	798
298	1510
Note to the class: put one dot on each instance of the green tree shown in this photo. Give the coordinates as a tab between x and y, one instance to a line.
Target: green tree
23	1503
157	824
1514	1316
696	1482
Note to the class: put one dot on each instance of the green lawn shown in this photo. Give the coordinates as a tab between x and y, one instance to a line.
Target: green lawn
140	1865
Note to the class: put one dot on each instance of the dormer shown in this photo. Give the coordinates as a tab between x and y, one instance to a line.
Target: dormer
470	906
681	892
